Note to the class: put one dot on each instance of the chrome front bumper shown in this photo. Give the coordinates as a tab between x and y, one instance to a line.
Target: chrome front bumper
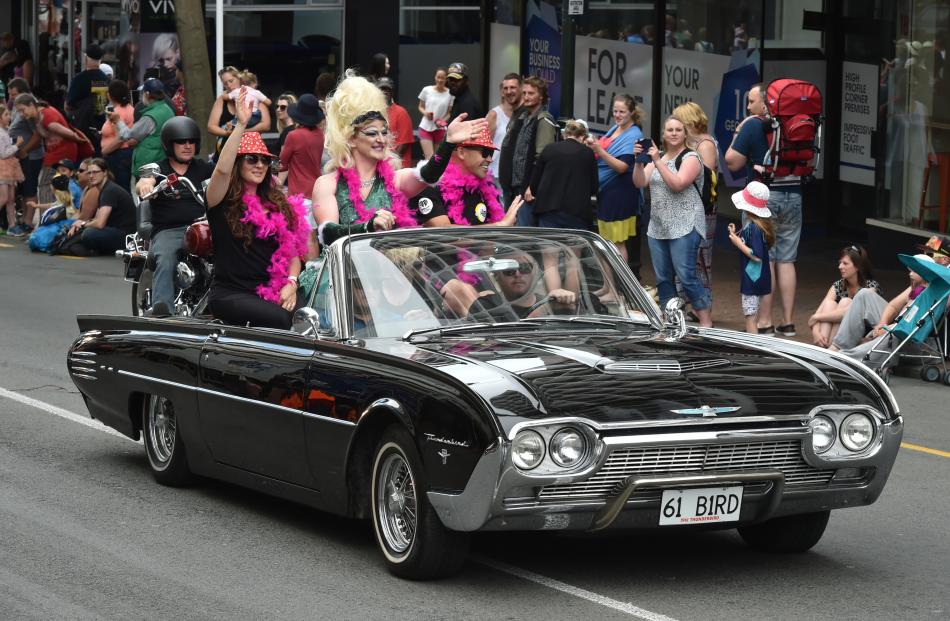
499	497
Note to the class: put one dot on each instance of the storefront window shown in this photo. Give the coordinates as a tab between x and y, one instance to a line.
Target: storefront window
432	36
287	50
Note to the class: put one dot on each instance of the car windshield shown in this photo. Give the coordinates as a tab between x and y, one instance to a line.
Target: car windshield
401	284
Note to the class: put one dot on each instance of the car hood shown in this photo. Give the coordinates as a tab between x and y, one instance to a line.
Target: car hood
616	378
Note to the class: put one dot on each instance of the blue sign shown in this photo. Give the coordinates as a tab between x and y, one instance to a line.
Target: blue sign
735	85
543	50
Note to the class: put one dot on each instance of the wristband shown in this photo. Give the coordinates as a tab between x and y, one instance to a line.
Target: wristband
431	171
292	279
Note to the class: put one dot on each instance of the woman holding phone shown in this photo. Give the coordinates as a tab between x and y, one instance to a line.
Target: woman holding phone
677	220
618	200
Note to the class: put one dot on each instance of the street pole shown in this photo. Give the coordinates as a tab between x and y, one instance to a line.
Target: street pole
218	36
567	60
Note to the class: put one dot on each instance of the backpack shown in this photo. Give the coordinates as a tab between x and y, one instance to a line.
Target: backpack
710	184
792	130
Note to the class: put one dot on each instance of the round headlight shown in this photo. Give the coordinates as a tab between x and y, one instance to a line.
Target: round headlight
822	433
857	431
568	447
527	449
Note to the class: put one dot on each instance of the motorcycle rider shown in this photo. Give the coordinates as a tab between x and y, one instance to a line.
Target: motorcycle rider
171	214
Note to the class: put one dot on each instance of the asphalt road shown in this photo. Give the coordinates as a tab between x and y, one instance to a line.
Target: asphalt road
85	533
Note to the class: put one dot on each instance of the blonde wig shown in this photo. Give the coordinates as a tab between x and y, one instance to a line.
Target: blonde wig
353	97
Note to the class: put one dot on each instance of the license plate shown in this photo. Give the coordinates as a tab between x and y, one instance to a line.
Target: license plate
706	505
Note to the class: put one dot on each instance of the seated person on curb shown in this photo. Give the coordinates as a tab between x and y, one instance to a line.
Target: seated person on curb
878	338
870	309
114	218
171	215
855	268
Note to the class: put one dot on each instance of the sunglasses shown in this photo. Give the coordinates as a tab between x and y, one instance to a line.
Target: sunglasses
93	171
281	107
524	268
185	141
373	134
486	152
253	159
855	248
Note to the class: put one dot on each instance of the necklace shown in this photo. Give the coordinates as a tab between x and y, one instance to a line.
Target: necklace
368	183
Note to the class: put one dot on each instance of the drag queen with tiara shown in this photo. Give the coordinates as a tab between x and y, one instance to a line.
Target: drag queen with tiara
363	191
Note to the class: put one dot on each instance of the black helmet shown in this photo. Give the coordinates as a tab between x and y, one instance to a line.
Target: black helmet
180	128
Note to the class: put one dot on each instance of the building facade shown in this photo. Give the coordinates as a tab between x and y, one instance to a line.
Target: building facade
884	174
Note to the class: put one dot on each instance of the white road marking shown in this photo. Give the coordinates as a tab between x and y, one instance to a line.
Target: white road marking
62	413
551	583
557	585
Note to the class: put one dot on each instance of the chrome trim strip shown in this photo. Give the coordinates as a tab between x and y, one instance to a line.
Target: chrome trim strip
705	437
614	506
84	376
679	422
217	393
90	354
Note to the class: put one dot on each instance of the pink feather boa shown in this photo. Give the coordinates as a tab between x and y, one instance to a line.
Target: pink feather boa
456	182
399	204
269	222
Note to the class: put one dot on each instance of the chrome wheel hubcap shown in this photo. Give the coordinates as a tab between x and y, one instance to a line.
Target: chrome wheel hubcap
396	503
161	428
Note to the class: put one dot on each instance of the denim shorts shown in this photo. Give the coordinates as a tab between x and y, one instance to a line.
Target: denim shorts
786	208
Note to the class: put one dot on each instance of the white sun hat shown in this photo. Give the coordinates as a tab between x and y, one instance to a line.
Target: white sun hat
753	198
106	69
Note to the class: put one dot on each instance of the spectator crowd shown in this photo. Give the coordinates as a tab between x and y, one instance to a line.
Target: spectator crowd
70	173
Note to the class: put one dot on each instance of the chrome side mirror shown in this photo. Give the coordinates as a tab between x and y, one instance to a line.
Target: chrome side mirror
306	321
675	318
149	171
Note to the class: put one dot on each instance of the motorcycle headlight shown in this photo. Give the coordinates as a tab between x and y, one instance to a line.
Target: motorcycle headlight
857	431
527	449
822	433
568	447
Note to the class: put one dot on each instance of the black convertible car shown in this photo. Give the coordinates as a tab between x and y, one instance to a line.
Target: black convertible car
508	379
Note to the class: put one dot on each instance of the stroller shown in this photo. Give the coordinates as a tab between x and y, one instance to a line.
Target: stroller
922	325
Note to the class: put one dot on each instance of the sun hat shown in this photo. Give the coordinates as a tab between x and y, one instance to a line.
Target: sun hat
483	139
457	71
753	198
252	144
938	244
107	69
307	111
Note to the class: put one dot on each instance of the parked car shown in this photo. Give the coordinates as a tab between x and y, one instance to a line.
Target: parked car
501	379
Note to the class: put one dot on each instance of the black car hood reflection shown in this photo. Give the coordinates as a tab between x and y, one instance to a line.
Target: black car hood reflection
616	378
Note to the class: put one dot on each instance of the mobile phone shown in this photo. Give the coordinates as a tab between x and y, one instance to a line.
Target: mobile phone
109	108
645	143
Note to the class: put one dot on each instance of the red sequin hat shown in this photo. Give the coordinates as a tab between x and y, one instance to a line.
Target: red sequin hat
251	143
483	139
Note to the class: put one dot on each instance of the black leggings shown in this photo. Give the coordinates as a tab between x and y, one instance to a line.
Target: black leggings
241	308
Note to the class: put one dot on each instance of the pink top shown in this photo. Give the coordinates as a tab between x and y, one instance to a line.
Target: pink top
109	132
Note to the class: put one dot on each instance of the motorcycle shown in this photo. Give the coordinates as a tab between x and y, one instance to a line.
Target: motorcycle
195	265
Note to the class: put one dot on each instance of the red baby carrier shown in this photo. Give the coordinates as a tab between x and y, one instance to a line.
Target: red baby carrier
793	129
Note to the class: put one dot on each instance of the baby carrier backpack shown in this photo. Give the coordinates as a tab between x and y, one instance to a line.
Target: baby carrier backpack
793	129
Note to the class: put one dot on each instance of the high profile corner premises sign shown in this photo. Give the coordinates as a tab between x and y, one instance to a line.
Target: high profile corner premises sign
858	121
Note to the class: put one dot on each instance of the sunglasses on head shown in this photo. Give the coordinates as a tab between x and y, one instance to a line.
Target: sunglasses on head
524	268
373	134
185	141
855	248
253	159
485	151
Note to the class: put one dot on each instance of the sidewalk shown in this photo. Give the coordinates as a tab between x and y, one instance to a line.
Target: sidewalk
817	268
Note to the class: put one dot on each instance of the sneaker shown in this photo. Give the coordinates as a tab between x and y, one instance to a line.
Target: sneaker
767	330
786	330
17	231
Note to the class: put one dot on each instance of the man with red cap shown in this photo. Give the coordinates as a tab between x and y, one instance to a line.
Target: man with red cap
466	194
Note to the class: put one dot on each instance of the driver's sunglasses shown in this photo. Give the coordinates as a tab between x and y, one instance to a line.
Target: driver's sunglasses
185	141
253	159
524	268
486	152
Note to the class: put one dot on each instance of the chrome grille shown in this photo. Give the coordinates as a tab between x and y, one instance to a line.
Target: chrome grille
784	455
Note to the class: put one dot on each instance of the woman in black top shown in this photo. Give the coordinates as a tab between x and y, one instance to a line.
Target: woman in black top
259	235
563	179
114	218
